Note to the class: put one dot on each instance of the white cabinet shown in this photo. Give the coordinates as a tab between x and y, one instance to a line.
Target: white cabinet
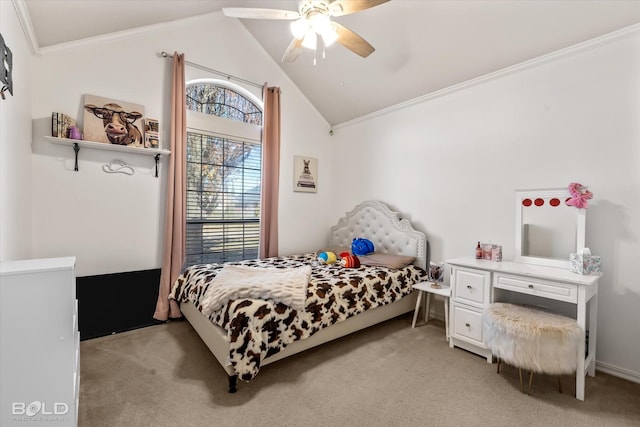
470	297
477	283
39	342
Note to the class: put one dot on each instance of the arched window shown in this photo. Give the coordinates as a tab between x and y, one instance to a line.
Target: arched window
222	101
224	172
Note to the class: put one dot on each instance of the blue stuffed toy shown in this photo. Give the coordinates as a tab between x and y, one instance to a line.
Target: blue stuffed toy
362	247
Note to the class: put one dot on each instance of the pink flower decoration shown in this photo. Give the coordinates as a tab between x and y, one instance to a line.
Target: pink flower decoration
579	196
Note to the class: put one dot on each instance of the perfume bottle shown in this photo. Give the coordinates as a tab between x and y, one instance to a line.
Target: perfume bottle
478	251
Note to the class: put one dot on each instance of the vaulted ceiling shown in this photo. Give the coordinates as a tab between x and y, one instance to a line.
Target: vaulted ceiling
422	46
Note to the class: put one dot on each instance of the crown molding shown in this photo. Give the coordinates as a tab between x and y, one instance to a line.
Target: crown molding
571	50
25	21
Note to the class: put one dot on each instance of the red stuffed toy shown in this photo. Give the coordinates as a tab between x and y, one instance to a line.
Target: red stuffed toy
349	261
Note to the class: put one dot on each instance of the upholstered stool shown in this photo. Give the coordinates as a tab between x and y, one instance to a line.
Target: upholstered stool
532	339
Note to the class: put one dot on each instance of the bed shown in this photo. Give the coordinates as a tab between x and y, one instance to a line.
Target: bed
245	334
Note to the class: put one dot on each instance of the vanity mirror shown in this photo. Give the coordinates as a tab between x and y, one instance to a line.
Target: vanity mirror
547	229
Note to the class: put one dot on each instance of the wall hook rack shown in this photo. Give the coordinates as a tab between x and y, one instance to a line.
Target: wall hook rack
6	69
118	166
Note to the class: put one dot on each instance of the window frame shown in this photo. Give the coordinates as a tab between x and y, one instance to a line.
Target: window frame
230	129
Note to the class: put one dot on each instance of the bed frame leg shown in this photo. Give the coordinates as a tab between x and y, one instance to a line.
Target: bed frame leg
233	383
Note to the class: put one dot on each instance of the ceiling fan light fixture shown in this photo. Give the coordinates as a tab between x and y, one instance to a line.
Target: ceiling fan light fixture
320	22
310	40
313	19
299	28
329	37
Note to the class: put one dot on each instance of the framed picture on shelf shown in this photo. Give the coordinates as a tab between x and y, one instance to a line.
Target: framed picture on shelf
151	134
113	122
151	140
436	271
305	174
151	125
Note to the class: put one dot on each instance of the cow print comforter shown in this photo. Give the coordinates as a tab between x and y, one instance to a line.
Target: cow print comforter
257	328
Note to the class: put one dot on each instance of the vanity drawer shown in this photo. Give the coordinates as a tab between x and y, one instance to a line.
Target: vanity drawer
542	288
471	286
467	325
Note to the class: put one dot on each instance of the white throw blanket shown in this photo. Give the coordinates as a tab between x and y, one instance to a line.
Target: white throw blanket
284	285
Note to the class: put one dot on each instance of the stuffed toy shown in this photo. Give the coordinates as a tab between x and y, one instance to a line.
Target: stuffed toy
579	196
349	261
362	247
327	258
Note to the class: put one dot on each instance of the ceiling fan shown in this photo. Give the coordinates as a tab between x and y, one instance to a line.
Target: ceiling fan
312	20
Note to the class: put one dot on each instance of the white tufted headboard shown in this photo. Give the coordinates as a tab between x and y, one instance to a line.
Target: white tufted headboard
374	221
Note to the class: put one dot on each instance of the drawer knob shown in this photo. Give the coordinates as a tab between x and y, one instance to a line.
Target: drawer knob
530	286
468	325
469	287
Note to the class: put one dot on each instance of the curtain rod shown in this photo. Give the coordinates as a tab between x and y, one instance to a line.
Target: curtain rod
211	70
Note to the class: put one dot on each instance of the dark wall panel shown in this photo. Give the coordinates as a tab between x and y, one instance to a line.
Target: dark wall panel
112	303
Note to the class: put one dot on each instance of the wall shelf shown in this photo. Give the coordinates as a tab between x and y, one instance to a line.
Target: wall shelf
77	143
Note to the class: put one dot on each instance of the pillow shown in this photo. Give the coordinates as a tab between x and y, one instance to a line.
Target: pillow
386	260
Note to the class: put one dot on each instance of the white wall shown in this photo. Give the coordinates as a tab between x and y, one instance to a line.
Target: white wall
452	162
113	223
15	144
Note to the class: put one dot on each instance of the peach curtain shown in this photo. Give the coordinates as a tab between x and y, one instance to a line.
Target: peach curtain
270	173
173	255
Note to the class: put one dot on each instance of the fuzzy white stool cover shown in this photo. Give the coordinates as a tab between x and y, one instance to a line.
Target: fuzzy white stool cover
532	339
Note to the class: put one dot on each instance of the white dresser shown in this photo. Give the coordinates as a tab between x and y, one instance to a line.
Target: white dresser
477	283
39	343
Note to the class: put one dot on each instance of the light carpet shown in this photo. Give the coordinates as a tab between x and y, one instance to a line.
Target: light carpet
386	375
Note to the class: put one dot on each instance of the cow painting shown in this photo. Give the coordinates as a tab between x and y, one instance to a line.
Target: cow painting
118	124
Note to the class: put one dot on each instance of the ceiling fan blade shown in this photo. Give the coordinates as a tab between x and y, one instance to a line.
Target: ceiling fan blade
352	41
293	51
345	7
257	13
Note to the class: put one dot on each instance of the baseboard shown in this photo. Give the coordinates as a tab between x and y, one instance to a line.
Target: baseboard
113	303
617	371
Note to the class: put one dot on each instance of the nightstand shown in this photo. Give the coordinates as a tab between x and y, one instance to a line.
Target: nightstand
444	291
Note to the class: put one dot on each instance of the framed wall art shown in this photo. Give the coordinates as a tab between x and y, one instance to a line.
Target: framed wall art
305	174
113	122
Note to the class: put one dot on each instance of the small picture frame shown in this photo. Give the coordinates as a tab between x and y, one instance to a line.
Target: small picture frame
151	140
151	125
151	133
436	272
496	253
305	174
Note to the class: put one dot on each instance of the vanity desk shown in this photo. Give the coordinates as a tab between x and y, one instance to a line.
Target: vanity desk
476	283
